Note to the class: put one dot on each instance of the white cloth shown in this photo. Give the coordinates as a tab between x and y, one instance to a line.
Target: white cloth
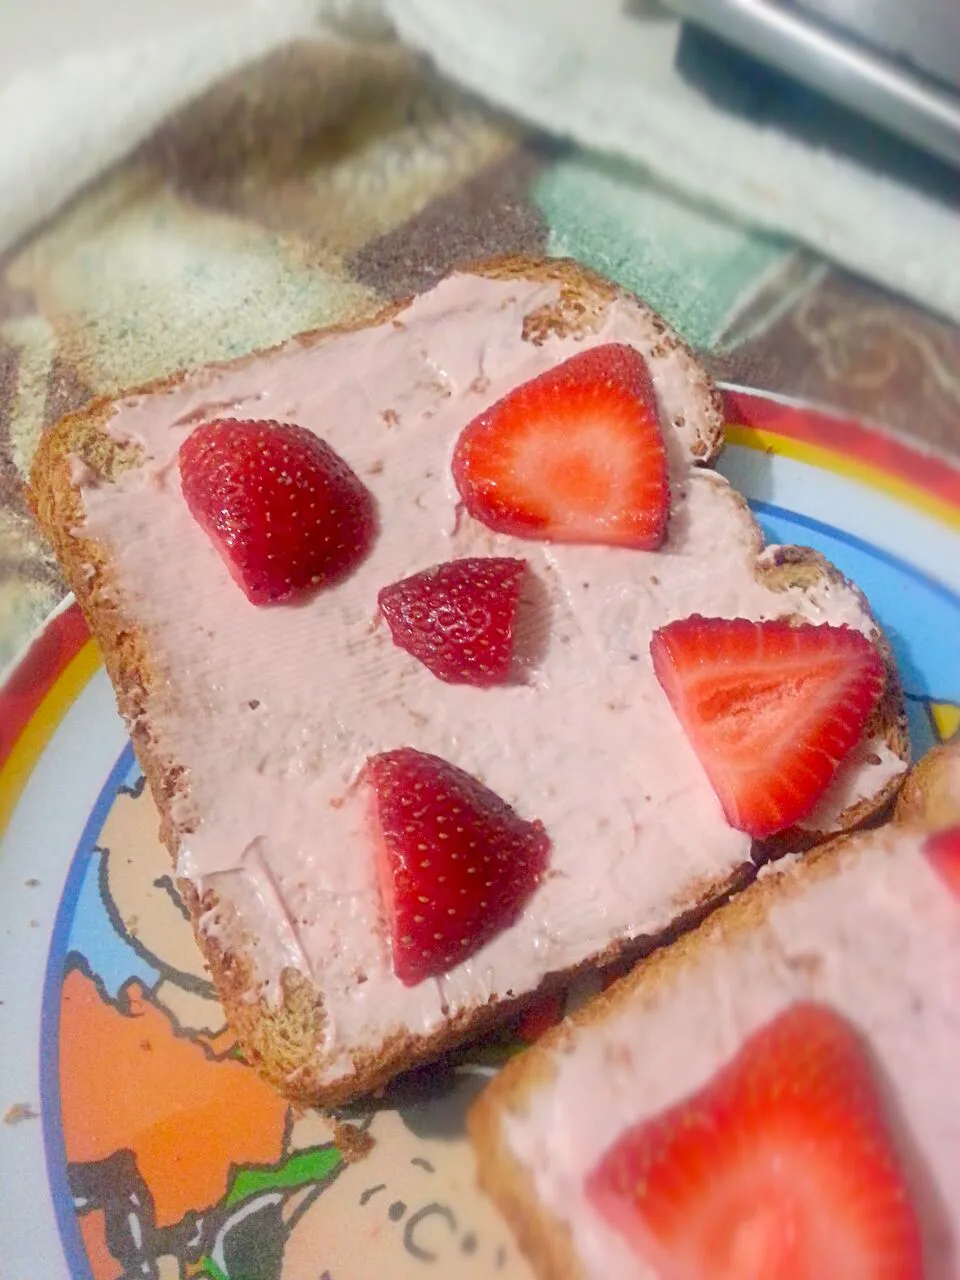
65	117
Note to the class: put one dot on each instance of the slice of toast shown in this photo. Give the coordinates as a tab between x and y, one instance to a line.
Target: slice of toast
253	725
864	924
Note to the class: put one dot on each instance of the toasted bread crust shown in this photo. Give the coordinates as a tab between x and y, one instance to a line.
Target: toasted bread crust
931	793
280	1039
545	1239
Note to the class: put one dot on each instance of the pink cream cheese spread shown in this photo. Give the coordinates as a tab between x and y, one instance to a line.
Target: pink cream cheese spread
878	940
273	711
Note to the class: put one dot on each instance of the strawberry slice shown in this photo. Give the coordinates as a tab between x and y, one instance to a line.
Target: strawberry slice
575	455
779	1169
771	709
285	512
456	863
943	850
458	618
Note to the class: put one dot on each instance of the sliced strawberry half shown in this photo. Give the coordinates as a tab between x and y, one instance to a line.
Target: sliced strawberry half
771	709
284	511
575	455
943	850
456	864
458	618
781	1168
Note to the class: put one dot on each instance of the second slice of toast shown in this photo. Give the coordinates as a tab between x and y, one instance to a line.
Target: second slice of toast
253	726
867	927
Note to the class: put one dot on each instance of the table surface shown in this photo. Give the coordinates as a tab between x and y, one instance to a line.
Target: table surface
324	181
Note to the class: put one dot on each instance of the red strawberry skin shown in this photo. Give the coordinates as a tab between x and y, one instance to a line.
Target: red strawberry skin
781	1168
943	850
458	618
575	455
456	864
285	512
771	709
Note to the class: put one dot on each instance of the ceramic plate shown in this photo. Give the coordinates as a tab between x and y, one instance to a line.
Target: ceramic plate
135	1141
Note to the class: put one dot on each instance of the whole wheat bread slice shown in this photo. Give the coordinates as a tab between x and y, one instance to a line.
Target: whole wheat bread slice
540	312
540	1192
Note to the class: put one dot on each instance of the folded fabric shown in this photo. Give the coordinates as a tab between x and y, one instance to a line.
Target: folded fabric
67	119
605	76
